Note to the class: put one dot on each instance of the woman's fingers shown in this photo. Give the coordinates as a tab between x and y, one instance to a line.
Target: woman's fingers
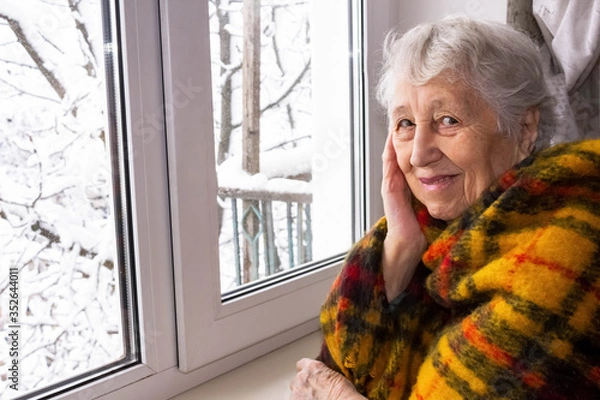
404	243
304	362
388	149
391	171
308	384
394	189
314	381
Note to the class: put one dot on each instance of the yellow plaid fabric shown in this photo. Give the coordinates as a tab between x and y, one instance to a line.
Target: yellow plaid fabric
506	302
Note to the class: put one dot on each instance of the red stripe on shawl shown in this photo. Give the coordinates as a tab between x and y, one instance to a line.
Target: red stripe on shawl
431	388
491	351
534	186
343	304
353	272
340	322
423	217
576	191
353	278
552	266
534	380
556	267
594	374
538	186
445	273
508	179
440	248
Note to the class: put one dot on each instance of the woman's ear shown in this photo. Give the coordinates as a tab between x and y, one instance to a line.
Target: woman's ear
529	130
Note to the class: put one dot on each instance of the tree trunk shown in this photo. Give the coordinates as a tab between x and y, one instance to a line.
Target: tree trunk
226	90
251	130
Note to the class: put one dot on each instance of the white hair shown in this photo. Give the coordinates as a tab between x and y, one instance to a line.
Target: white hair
500	63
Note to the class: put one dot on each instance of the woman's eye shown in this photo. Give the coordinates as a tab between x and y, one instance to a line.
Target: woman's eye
449	121
404	123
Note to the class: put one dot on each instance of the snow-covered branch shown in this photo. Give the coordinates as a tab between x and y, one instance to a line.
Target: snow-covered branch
290	89
88	49
40	63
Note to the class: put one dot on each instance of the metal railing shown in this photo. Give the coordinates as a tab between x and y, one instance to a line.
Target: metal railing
256	209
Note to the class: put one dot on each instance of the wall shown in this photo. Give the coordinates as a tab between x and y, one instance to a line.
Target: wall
413	12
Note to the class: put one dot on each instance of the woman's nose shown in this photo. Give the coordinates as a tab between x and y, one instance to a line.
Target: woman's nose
425	148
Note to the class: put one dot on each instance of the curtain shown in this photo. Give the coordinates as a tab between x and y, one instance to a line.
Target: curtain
568	33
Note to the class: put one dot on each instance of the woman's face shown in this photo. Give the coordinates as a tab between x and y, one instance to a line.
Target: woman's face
447	145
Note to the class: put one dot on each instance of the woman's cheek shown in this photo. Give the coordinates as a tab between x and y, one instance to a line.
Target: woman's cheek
403	161
402	156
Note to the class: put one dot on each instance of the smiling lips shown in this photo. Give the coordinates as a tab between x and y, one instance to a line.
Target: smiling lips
437	182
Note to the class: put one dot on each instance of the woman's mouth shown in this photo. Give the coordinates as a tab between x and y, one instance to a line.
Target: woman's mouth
437	182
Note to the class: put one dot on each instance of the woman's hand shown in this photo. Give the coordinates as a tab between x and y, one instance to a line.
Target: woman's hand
405	243
314	381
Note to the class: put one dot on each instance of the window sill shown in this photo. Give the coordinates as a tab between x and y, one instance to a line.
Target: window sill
265	378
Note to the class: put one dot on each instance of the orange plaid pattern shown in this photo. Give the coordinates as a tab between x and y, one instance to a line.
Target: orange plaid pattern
505	305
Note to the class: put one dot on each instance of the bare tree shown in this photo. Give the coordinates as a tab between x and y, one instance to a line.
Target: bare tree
284	82
55	201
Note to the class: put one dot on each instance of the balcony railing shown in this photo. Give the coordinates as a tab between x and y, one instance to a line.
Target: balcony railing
264	211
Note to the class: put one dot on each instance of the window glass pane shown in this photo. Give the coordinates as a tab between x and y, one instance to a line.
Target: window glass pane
62	312
281	95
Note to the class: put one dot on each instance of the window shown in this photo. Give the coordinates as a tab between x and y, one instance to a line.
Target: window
190	327
65	287
283	136
297	104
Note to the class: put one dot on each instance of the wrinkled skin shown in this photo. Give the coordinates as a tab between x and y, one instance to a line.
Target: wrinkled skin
448	146
314	381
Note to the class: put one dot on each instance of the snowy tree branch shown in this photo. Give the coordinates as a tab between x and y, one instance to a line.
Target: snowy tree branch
19	64
39	62
274	43
290	89
24	92
80	26
285	94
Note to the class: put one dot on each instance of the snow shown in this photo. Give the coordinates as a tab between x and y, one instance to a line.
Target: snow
39	20
289	162
57	221
274	165
282	185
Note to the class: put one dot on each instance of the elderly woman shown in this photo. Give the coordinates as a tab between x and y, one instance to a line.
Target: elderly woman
483	279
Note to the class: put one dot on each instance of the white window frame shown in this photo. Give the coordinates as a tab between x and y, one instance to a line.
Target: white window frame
210	331
180	353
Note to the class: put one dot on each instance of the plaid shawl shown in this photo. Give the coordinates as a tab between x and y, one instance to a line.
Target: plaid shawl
506	301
